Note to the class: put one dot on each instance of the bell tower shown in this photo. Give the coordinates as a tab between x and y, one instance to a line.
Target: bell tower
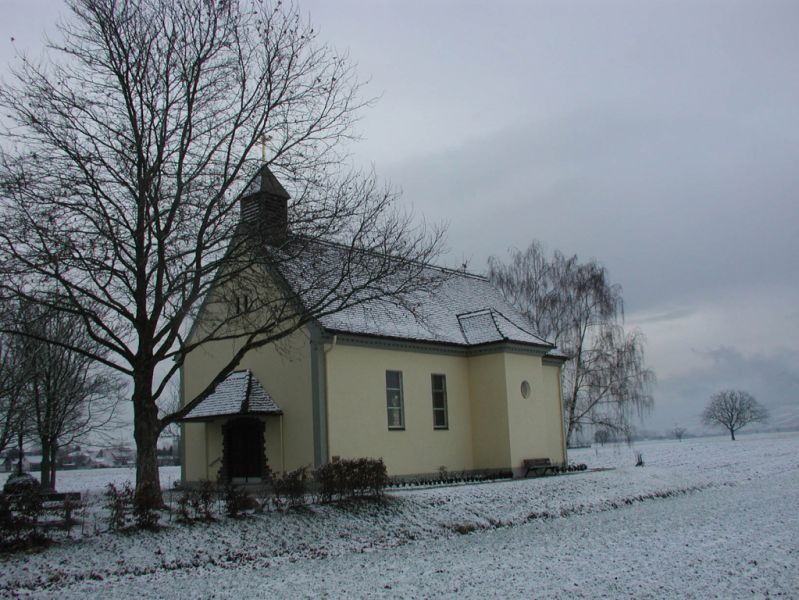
264	207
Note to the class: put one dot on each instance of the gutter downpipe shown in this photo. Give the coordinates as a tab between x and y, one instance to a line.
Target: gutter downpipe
333	345
319	393
325	352
282	446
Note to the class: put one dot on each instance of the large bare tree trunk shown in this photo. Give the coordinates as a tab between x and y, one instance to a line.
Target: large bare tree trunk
570	408
147	428
46	468
53	457
21	456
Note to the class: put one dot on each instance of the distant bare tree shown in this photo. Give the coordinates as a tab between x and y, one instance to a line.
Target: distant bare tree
602	436
678	432
574	305
67	394
733	409
123	159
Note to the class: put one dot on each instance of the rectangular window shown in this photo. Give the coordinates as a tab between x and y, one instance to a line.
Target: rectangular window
394	404
440	417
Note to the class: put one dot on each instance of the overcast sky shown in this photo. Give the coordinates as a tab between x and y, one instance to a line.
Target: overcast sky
660	137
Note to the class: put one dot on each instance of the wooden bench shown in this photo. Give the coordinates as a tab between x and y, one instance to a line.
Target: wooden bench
61	503
539	466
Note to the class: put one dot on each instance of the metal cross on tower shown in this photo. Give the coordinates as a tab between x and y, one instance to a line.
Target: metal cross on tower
264	139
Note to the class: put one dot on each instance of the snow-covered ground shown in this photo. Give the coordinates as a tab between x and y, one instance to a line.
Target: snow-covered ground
93	481
705	518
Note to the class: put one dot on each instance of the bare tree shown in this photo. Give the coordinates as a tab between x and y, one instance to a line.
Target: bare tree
678	432
67	394
11	383
602	436
733	409
126	154
573	304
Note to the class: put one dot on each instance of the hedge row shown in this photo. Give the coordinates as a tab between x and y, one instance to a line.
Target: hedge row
351	478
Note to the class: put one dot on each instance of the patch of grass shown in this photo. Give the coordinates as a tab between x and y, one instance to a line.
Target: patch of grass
465	528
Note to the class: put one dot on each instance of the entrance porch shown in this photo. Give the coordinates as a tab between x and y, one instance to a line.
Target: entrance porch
239	407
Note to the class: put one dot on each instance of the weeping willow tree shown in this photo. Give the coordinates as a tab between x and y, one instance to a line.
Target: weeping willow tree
573	304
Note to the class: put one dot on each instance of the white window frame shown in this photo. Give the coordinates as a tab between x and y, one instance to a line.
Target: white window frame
440	409
390	409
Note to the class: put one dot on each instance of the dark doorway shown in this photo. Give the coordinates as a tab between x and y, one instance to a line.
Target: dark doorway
244	450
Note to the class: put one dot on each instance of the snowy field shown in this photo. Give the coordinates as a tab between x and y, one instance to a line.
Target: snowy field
93	481
705	518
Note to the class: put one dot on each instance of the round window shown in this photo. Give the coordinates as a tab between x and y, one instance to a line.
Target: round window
525	389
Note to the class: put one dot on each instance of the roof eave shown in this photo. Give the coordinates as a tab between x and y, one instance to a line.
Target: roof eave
542	348
209	418
559	359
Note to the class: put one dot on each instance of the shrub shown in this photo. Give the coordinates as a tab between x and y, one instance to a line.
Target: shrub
19	516
236	500
331	480
27	505
124	504
351	478
290	488
205	500
464	528
185	507
197	503
22	484
6	515
119	502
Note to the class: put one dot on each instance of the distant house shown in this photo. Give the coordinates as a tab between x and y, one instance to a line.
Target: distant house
30	463
9	464
75	459
465	384
116	456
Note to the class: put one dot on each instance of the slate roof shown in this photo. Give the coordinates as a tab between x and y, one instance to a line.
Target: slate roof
240	393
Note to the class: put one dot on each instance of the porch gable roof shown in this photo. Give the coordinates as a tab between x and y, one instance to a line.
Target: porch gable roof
239	394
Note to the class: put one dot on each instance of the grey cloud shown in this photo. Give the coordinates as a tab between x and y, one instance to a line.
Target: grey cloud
668	214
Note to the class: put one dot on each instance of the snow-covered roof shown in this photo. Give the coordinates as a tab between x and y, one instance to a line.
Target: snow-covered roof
240	393
447	307
463	309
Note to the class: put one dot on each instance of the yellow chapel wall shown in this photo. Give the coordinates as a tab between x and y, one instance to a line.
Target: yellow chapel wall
490	425
356	408
488	392
535	422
